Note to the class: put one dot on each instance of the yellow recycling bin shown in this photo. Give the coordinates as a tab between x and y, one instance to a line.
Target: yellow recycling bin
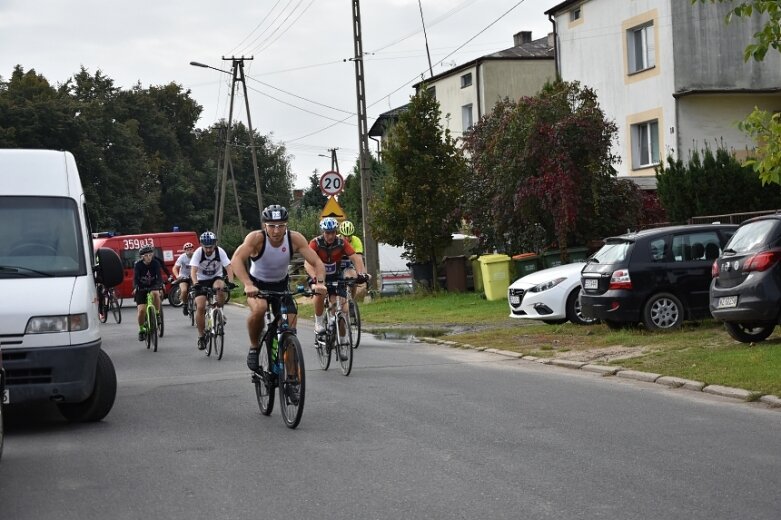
495	271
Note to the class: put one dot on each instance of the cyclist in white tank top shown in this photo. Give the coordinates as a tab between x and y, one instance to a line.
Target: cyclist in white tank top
269	250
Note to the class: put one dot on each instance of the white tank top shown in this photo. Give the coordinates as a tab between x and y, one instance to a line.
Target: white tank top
272	263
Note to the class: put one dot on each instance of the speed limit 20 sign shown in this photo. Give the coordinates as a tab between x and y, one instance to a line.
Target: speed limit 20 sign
331	183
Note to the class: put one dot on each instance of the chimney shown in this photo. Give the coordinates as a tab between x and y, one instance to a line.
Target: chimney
522	37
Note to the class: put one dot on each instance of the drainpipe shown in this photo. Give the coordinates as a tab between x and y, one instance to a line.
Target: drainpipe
477	92
555	47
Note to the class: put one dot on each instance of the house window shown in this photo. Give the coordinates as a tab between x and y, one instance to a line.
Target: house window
466	117
645	144
433	91
641	47
574	15
466	80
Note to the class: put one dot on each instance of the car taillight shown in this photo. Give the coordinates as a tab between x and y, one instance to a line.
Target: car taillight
714	269
761	261
620	280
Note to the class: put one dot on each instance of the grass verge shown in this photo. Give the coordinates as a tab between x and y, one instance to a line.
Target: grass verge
701	351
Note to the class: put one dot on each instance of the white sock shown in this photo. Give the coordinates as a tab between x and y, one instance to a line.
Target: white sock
343	339
319	319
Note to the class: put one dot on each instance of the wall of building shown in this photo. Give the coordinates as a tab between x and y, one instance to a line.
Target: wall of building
513	79
711	119
452	97
709	53
594	52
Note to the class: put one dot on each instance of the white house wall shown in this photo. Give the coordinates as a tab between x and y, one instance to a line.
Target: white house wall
711	120
452	97
513	79
593	51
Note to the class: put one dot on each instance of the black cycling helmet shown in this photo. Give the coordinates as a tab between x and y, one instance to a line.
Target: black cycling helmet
146	250
275	213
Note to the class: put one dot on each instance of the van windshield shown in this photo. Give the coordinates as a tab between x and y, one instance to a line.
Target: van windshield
40	237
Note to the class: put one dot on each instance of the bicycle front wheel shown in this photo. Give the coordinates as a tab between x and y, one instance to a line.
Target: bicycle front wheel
219	334
175	296
153	330
344	345
116	308
292	380
264	390
323	352
161	320
355	323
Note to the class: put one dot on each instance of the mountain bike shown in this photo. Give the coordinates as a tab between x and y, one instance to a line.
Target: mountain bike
214	329
108	302
153	320
281	362
336	320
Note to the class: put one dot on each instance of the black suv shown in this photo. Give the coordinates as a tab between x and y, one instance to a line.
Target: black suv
657	276
746	289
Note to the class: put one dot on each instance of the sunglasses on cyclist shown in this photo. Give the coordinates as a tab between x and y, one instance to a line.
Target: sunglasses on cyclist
276	226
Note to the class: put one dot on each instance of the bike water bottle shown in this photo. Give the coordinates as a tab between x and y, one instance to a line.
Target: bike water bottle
276	366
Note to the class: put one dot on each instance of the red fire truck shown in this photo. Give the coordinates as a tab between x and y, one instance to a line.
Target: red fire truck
168	247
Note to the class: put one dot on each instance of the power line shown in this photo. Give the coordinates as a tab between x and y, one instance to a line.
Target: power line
256	28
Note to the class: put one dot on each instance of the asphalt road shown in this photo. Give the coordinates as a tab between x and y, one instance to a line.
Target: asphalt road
417	431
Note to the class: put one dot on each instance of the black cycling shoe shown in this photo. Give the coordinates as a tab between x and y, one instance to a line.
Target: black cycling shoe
185	310
253	359
141	335
293	392
202	343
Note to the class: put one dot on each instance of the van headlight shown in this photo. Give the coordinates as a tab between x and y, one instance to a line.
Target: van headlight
49	324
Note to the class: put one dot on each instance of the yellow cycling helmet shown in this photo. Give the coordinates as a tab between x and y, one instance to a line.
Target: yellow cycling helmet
346	228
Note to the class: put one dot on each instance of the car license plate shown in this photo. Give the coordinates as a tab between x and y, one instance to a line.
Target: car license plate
726	302
6	396
590	283
515	300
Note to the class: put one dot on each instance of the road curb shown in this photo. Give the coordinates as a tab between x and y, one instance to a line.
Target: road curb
669	381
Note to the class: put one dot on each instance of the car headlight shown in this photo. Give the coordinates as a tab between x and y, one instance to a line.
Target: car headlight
547	285
49	324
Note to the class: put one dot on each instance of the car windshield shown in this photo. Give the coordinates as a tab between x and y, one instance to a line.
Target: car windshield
612	253
40	238
754	236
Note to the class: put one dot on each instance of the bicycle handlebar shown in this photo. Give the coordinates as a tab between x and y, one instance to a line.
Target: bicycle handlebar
300	290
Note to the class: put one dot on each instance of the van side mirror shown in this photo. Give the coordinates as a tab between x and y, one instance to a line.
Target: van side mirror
108	270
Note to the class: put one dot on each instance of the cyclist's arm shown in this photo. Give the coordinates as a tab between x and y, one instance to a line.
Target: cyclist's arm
249	248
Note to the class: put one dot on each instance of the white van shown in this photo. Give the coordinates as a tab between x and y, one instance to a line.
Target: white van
49	330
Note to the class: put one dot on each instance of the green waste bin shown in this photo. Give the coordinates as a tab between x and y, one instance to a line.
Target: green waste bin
496	275
577	254
525	263
551	259
476	274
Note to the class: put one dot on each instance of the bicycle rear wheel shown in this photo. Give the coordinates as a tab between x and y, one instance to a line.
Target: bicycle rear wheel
148	324
292	380
191	307
115	307
344	349
103	307
264	390
355	323
219	333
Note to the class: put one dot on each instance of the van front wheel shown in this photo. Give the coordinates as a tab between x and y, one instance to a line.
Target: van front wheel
97	405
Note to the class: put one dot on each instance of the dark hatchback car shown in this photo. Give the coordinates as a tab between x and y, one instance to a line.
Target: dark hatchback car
745	292
659	277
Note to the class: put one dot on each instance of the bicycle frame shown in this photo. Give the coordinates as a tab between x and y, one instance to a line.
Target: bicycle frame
214	323
336	316
153	326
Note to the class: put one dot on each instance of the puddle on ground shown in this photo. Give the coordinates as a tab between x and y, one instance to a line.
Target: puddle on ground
407	334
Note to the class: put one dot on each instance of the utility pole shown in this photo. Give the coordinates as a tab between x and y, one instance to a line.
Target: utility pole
237	73
370	245
334	160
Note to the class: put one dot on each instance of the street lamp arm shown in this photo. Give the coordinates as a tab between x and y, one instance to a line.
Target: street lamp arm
199	64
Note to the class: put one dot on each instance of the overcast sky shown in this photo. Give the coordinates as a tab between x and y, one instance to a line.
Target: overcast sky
300	89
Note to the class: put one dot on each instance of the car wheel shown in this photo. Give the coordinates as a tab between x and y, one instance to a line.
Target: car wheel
663	311
749	332
574	310
97	405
